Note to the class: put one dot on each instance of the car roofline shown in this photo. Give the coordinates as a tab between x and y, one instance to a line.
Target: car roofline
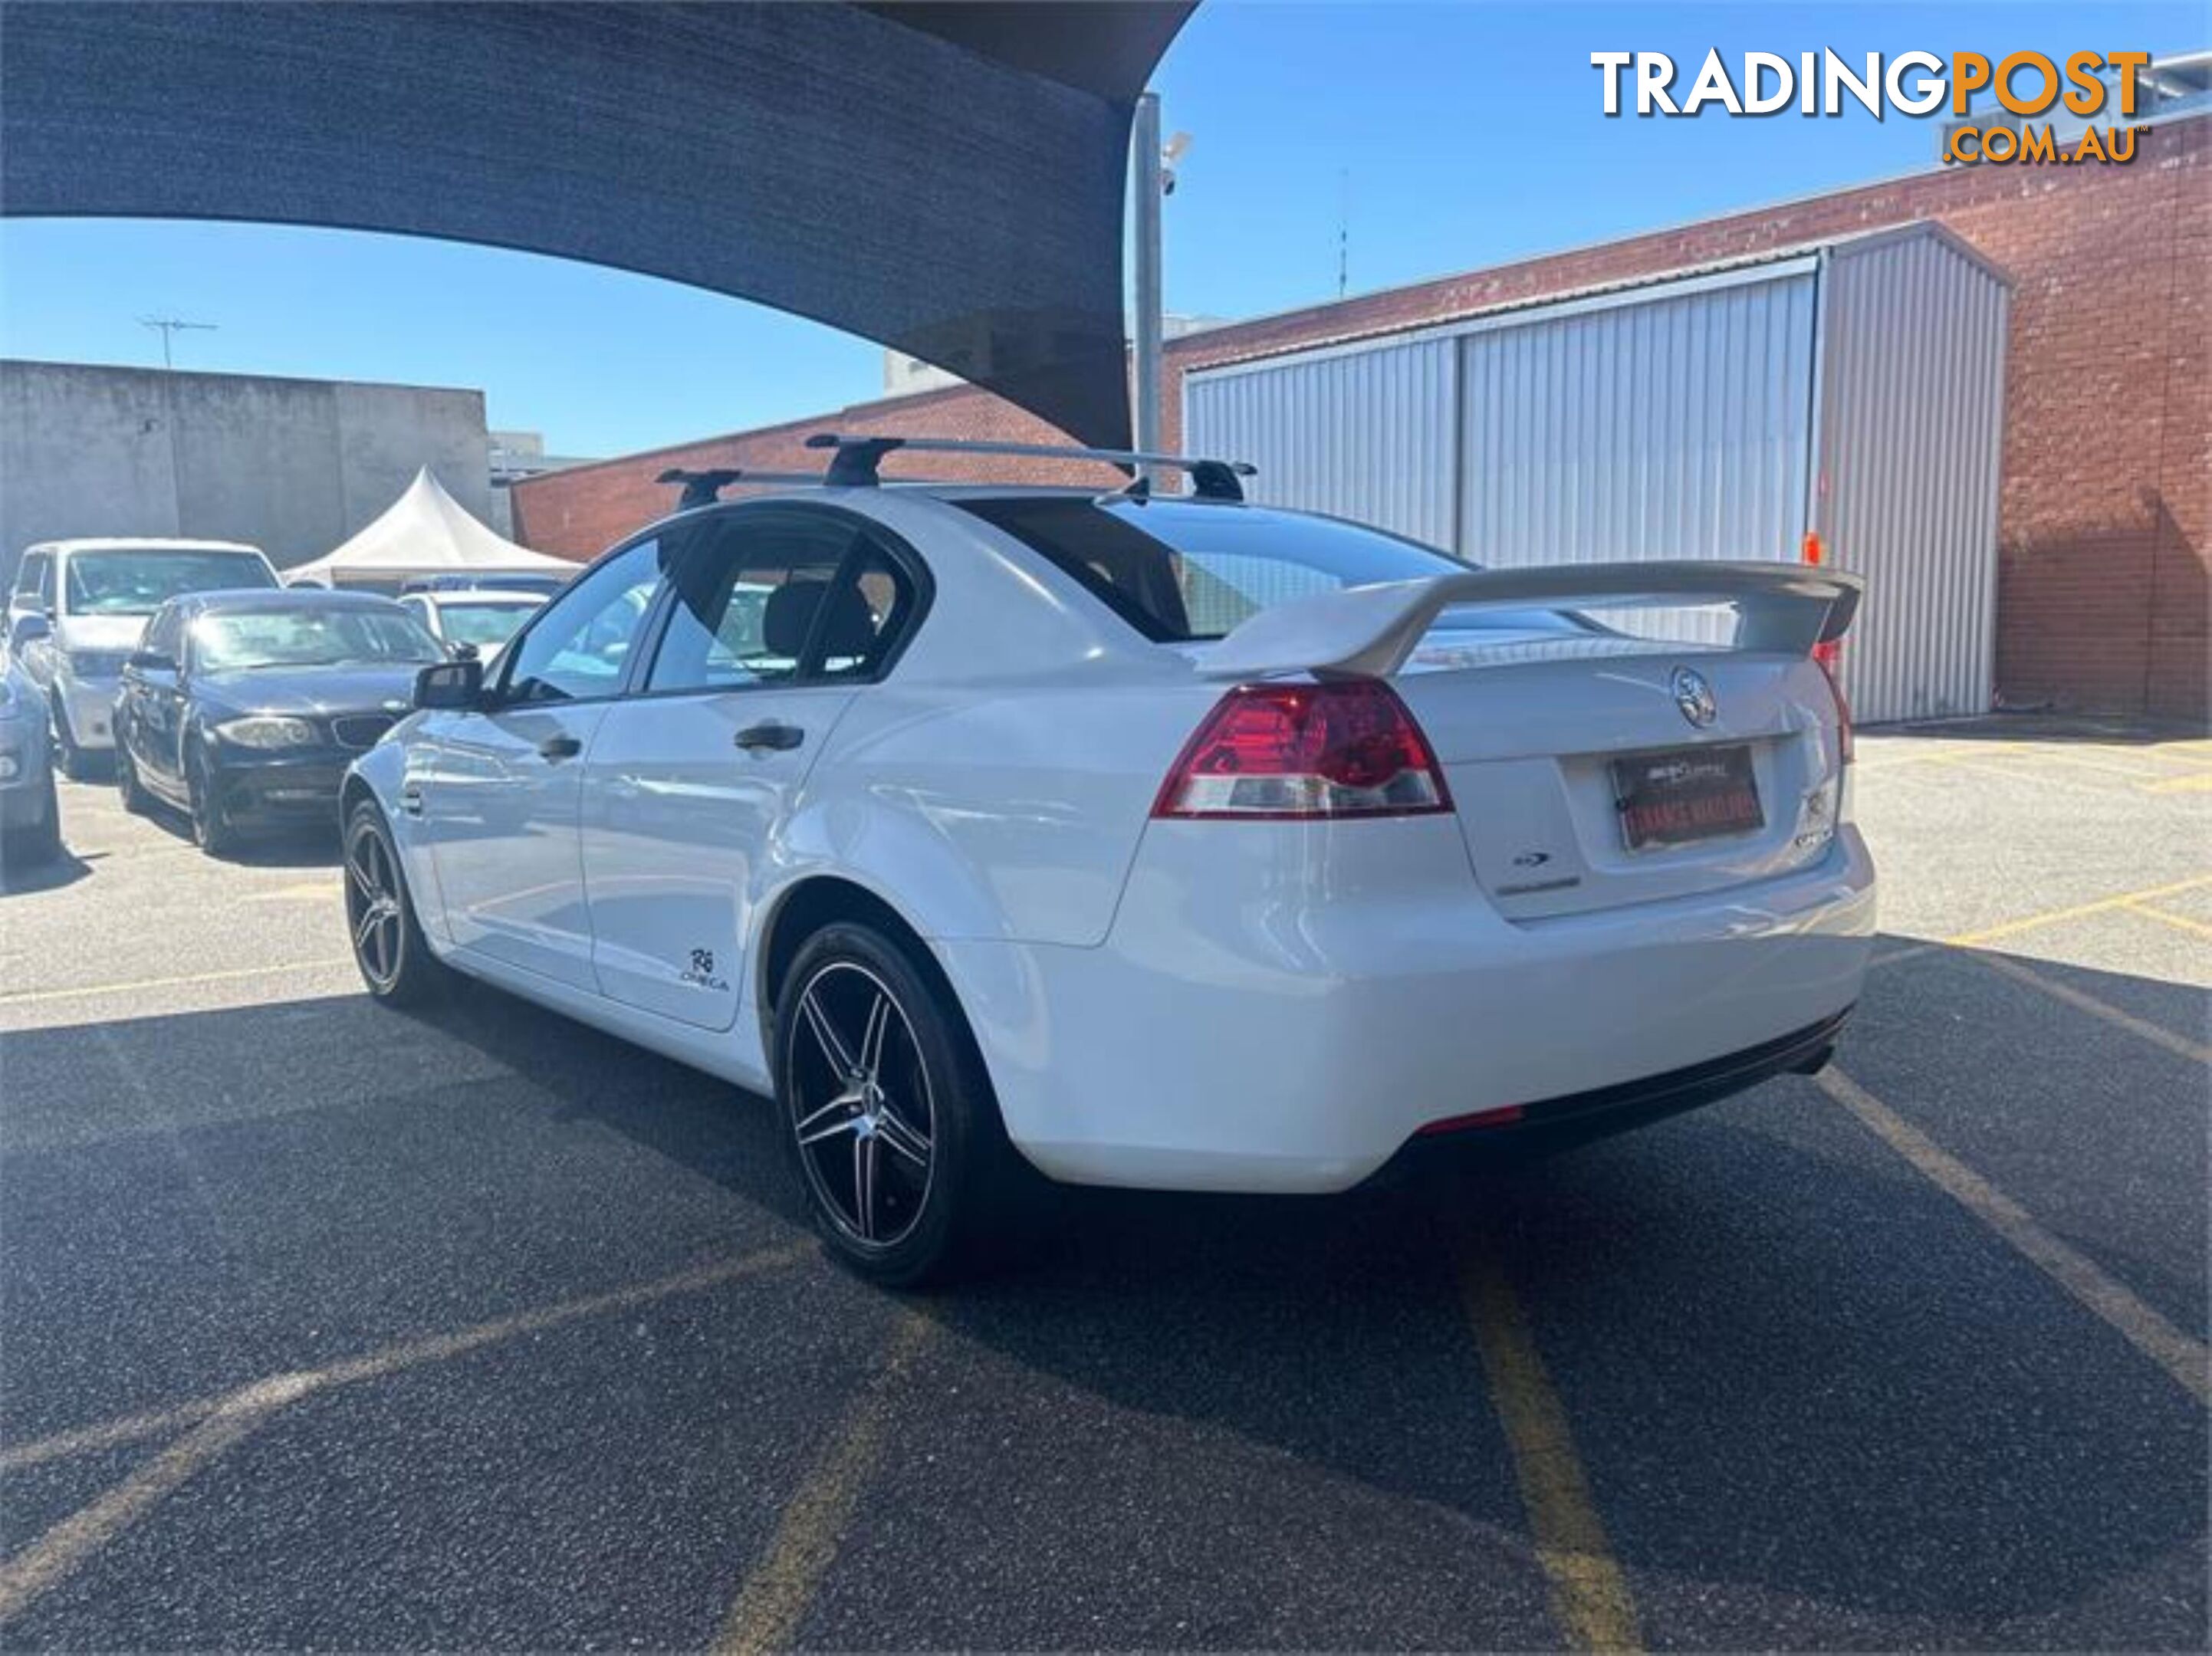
142	543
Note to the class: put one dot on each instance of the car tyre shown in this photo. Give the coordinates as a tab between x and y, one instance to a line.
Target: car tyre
136	799
389	948
36	844
886	1111
212	831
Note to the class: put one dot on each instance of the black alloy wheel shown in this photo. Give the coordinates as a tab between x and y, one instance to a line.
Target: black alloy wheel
388	946
887	1110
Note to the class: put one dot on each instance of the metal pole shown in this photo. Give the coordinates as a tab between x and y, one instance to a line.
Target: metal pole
1144	182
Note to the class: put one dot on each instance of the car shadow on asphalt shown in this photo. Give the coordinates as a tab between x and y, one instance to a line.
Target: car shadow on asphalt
303	846
17	876
1794	1370
1794	1364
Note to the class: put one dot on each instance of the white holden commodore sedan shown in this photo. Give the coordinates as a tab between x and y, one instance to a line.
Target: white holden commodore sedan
1166	841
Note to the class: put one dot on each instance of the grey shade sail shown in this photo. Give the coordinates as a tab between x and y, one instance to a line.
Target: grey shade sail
948	180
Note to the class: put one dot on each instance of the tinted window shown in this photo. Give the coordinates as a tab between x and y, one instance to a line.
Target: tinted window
580	642
250	639
1176	571
136	583
773	596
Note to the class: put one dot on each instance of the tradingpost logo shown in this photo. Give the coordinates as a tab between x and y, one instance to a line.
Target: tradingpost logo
2031	87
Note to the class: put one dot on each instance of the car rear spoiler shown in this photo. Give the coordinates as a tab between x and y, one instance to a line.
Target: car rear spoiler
1368	632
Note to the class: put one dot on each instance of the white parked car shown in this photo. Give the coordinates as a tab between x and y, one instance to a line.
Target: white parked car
78	609
1167	842
483	618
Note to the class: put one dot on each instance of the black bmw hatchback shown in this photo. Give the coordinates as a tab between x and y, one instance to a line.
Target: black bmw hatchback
245	708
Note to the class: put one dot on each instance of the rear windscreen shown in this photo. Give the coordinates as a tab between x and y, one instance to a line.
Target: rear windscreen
1178	571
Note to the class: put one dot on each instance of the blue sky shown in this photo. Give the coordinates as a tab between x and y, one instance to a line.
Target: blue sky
1458	135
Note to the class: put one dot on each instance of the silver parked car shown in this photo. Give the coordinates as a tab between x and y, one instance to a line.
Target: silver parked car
30	815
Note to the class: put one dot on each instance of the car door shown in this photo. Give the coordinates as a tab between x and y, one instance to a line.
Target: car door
151	709
498	789
779	615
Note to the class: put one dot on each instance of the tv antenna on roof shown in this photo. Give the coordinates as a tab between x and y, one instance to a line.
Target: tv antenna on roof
168	327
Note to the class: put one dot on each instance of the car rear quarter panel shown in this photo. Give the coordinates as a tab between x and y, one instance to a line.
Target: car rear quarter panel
1012	815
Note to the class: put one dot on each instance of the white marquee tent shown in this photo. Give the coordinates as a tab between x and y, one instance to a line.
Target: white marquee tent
426	531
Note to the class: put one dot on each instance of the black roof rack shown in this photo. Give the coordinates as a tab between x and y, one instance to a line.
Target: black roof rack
705	488
854	464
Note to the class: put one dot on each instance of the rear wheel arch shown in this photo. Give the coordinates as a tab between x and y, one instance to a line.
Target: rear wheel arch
823	900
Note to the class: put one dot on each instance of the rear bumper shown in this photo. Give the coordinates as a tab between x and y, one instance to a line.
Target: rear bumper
1270	1033
1557	1123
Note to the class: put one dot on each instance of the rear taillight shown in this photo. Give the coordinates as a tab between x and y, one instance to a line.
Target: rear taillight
1346	749
1830	655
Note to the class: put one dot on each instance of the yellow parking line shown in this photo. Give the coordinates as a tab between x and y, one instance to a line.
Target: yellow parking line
2111	1014
2099	760
2198	782
299	891
227	1419
58	1552
2170	753
390	1358
2052	916
2179	922
1931	756
83	992
1589	1595
767	1610
2183	1357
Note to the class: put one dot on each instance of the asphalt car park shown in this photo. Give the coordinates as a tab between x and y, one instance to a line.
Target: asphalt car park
328	1325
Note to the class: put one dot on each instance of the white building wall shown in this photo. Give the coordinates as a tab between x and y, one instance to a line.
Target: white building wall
1721	413
1913	407
1365	433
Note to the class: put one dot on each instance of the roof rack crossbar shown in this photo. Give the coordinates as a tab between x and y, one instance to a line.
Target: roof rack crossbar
705	488
855	460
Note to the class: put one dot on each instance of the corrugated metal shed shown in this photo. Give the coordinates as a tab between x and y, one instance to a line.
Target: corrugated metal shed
1854	387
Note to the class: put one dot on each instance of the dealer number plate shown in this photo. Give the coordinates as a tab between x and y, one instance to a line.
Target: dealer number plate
1685	794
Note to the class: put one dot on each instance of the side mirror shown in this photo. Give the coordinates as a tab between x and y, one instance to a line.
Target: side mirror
454	686
29	629
150	661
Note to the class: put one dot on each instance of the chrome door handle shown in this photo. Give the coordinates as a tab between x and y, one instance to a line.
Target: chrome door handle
777	738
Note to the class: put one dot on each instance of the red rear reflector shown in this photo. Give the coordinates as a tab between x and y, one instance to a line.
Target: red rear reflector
1273	751
1505	1114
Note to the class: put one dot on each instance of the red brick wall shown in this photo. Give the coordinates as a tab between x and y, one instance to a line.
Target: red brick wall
2107	482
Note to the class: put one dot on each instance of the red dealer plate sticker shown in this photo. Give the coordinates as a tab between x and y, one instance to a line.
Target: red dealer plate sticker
1685	794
